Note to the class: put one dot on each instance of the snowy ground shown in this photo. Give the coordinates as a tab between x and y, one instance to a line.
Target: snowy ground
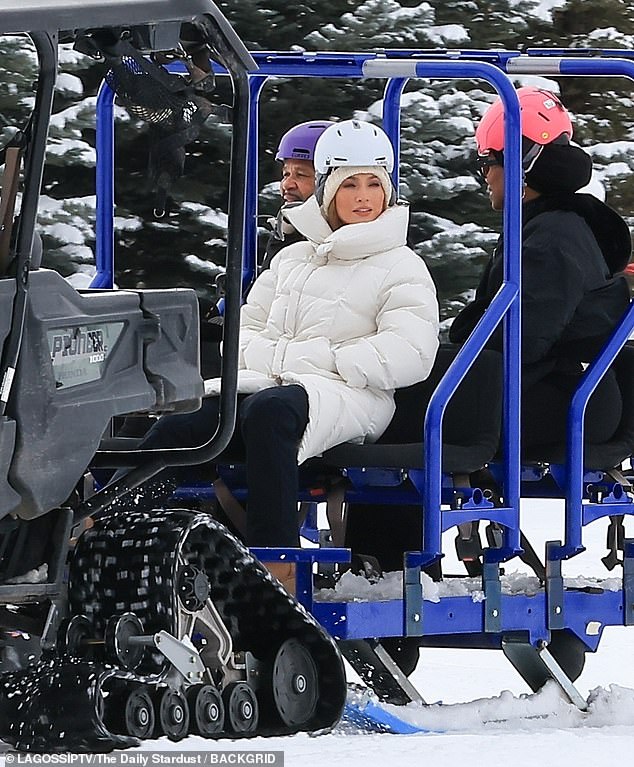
481	709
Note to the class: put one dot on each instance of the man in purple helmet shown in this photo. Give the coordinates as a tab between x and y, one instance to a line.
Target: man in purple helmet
295	152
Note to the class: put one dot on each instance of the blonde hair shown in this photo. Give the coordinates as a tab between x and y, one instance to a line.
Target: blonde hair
332	217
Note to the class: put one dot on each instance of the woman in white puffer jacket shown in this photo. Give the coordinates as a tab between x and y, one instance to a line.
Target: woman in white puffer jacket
350	315
328	333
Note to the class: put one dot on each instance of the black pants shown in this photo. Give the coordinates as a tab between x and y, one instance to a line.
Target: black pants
270	426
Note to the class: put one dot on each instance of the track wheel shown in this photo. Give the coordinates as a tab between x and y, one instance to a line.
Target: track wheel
173	713
139	716
295	684
73	635
241	707
119	650
207	711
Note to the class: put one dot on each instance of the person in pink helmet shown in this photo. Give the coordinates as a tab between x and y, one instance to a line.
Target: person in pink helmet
574	249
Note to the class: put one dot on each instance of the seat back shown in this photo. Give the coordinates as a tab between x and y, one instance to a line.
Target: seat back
620	446
471	426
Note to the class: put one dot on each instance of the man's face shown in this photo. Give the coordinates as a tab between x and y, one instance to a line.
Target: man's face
495	185
298	180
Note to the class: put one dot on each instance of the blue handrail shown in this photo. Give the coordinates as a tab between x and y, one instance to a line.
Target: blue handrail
256	83
392	119
575	432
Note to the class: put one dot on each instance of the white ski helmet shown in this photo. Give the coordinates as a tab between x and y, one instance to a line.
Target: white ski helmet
352	143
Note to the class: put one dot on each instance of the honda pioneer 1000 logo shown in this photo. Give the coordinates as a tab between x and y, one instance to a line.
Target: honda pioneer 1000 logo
80	344
78	354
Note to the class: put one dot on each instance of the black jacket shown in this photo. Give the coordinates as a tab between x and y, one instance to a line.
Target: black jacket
572	247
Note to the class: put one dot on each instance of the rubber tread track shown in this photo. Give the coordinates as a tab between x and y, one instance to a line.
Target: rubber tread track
129	563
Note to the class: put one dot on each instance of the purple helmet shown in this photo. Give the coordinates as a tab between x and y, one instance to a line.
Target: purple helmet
298	142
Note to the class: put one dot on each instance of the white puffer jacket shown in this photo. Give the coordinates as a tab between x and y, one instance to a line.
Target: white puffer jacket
349	315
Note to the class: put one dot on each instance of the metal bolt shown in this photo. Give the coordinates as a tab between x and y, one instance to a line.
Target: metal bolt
557	610
494	613
416	617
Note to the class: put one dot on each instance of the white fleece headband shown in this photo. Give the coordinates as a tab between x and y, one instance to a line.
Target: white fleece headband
340	174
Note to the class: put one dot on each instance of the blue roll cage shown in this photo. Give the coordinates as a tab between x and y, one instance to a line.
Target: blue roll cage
396	67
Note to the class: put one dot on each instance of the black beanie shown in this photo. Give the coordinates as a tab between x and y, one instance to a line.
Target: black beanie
560	168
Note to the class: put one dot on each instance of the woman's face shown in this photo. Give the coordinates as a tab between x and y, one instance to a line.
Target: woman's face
360	198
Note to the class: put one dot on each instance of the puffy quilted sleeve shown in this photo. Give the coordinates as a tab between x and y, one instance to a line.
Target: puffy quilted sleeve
255	312
403	349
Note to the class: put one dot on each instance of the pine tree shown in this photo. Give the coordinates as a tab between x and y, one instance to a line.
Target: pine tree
377	24
453	226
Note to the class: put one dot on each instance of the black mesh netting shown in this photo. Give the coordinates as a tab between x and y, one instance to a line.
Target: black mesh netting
174	111
167	101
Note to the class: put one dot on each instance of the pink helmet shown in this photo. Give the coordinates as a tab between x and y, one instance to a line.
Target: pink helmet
544	120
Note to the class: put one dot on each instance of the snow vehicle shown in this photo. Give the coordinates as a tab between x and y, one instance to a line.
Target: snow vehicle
149	624
163	623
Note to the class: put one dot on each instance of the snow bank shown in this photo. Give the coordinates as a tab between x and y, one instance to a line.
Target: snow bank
546	709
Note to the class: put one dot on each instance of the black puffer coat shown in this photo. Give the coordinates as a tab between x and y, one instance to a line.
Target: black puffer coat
573	247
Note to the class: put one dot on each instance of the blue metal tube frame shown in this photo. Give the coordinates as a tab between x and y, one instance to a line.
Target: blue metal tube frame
249	253
392	120
507	303
485	65
249	264
574	467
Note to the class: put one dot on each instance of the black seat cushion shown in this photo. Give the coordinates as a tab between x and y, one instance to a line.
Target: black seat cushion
471	427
